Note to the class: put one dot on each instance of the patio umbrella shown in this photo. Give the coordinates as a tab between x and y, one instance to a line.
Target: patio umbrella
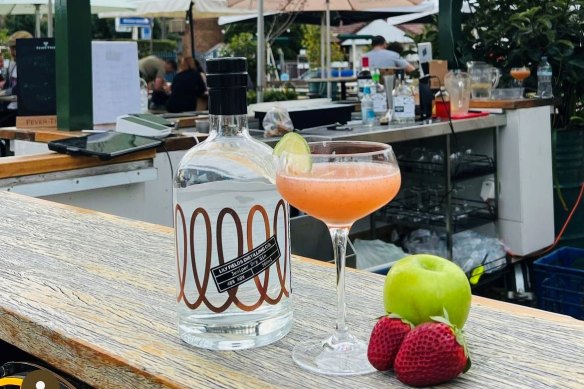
38	7
199	9
202	9
325	6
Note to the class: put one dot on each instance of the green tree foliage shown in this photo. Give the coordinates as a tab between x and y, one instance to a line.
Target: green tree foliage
429	34
509	33
23	22
105	29
311	42
243	44
289	42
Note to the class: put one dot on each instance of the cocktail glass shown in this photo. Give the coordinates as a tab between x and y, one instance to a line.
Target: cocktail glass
520	74
339	183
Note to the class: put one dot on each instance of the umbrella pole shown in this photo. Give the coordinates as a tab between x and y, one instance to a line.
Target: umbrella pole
191	29
50	19
322	45
328	50
261	54
37	20
354	52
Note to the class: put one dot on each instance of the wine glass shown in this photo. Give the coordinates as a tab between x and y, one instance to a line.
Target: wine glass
520	74
339	183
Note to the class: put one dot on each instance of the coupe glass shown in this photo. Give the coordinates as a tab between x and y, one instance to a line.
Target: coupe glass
520	74
338	184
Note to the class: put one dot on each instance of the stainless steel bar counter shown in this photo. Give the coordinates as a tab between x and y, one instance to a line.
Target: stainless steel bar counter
398	133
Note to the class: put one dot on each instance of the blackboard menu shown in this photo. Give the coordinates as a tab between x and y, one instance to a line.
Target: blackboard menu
36	77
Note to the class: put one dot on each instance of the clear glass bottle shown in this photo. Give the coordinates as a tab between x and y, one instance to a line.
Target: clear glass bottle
232	228
544	79
404	105
378	96
367	113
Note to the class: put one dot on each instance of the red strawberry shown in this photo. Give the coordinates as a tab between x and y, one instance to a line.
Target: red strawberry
431	354
386	337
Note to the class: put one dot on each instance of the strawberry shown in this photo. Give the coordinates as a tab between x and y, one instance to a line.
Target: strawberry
432	353
386	337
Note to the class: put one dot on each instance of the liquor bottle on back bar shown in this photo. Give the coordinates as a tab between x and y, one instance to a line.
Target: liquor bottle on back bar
404	105
232	228
363	77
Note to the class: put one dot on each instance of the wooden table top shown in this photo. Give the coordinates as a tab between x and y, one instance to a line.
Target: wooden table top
511	103
93	295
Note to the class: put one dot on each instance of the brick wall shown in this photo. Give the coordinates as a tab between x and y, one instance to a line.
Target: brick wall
207	34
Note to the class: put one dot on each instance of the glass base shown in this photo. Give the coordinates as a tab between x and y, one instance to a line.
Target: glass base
333	356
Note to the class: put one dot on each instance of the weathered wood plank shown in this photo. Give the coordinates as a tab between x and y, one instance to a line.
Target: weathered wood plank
53	162
40	134
93	294
510	104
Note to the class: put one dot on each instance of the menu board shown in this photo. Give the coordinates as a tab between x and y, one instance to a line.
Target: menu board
116	80
36	78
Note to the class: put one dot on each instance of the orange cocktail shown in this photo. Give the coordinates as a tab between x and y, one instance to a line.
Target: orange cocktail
337	183
340	193
520	74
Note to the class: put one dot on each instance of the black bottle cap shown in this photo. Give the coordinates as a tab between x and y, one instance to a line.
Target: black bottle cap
227	85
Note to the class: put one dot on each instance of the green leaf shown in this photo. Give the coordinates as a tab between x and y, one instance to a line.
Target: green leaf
579	63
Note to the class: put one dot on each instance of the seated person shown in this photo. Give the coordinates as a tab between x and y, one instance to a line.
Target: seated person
381	58
188	87
170	68
8	111
152	70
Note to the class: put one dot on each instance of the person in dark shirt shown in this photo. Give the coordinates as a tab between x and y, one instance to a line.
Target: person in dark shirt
170	69
187	87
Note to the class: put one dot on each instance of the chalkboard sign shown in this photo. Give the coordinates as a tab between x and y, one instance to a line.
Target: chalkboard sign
36	82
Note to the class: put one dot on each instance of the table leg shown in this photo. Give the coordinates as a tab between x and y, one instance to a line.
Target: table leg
343	90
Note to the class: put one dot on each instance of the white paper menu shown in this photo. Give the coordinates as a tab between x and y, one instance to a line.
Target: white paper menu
116	80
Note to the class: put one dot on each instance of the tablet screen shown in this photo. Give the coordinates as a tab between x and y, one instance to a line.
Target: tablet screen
105	144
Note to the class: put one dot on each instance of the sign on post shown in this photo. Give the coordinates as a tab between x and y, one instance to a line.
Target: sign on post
120	28
134	22
146	33
36	77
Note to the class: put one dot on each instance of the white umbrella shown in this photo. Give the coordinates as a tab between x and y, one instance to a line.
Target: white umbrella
32	7
202	9
199	9
310	6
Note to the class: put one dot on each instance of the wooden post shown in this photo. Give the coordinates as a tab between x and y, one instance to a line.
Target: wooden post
73	57
449	29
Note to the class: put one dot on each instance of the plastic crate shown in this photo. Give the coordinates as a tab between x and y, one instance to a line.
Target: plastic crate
559	282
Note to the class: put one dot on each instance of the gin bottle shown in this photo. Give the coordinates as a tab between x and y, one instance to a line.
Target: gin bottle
231	228
378	96
404	105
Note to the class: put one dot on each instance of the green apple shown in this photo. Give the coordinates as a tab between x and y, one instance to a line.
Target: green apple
419	286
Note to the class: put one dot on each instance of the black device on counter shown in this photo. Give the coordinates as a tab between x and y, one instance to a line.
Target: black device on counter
105	145
426	98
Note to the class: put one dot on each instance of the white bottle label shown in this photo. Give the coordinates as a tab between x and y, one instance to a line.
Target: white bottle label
232	246
404	106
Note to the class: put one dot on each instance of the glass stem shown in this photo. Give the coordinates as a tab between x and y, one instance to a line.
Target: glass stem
339	237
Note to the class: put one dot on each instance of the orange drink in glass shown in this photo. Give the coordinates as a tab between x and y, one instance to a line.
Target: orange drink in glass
338	183
520	74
